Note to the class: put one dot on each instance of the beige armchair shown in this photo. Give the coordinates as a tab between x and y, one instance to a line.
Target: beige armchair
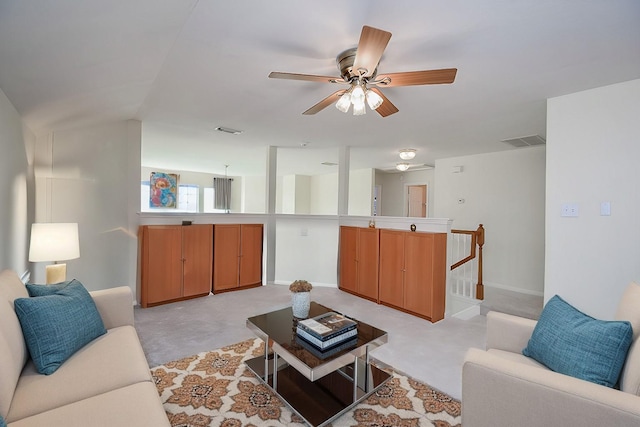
501	387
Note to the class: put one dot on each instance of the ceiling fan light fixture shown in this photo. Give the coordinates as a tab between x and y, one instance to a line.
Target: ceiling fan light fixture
402	166
373	99
407	153
344	102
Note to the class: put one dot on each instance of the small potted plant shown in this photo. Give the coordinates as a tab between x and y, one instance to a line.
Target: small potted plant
300	298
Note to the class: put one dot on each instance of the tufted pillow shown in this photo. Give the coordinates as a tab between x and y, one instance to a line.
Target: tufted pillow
629	309
572	343
55	326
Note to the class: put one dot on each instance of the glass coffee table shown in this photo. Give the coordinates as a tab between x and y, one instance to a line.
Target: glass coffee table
318	389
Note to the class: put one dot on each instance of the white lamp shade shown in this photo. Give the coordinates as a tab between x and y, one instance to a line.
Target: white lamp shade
54	242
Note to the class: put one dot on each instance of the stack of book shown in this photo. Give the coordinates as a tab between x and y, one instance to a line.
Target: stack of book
327	334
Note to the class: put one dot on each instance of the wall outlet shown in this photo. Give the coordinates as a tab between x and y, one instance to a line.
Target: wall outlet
569	210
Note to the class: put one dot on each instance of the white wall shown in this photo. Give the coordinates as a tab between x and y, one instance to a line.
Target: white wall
307	248
323	198
593	147
253	194
90	176
16	188
505	192
361	183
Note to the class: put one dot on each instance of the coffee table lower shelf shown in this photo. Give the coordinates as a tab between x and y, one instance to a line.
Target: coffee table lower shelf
322	401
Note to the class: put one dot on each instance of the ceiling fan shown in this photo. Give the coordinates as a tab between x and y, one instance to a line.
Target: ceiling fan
359	71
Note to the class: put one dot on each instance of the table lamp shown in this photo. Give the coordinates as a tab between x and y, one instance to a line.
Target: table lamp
54	242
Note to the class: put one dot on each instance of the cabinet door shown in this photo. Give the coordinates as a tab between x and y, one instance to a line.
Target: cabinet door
250	254
161	264
391	267
348	258
226	250
418	279
197	249
368	251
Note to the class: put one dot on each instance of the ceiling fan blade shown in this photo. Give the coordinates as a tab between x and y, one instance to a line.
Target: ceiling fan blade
387	108
324	103
412	78
306	77
372	44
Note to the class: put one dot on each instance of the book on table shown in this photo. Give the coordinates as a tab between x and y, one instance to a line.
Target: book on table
327	330
323	354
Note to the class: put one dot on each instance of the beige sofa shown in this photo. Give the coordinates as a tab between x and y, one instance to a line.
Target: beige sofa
501	387
106	383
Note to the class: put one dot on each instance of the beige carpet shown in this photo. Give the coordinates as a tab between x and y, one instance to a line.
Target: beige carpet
216	389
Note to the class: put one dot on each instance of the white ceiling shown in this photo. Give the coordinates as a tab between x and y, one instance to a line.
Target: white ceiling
185	67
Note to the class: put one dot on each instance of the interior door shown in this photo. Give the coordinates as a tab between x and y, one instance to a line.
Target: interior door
417	200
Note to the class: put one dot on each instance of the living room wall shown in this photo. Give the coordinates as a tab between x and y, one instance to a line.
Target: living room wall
91	176
505	192
16	188
593	147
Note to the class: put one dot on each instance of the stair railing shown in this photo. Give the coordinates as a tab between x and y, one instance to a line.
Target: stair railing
471	242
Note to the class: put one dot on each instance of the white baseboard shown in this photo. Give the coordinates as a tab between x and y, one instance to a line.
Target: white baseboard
468	313
26	276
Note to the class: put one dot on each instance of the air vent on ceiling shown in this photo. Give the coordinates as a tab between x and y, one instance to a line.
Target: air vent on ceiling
525	141
228	130
329	164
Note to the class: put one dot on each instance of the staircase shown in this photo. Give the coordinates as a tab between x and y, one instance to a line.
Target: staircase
510	302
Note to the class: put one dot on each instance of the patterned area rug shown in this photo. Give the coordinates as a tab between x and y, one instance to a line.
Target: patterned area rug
216	389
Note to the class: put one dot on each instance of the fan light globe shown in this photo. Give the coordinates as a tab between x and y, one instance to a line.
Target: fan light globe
373	99
359	109
357	95
344	102
407	154
402	166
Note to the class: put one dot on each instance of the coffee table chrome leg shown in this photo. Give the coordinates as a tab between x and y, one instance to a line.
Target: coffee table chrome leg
355	379
275	371
266	362
366	370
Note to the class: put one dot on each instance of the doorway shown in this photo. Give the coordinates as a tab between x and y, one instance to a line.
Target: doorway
417	201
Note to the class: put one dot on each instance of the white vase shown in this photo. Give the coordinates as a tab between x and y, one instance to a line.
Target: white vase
300	303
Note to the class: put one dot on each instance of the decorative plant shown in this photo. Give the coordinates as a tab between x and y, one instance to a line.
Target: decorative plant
300	286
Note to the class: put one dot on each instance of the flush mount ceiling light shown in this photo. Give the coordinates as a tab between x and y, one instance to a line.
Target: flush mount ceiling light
407	153
402	166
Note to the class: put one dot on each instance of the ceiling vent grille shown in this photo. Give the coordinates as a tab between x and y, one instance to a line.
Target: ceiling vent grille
525	141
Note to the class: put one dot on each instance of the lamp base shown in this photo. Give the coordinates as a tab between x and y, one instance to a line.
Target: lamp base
56	273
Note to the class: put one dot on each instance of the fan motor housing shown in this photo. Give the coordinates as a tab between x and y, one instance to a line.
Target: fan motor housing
345	61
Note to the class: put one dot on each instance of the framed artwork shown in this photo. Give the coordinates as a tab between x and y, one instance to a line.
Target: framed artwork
163	190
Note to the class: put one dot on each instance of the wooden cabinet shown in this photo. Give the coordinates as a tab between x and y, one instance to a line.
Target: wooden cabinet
175	262
237	256
358	269
413	272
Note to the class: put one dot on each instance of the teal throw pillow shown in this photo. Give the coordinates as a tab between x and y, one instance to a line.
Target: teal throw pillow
573	343
2	422
43	290
55	326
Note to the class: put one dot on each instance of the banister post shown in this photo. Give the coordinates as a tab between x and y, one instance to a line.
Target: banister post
480	242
